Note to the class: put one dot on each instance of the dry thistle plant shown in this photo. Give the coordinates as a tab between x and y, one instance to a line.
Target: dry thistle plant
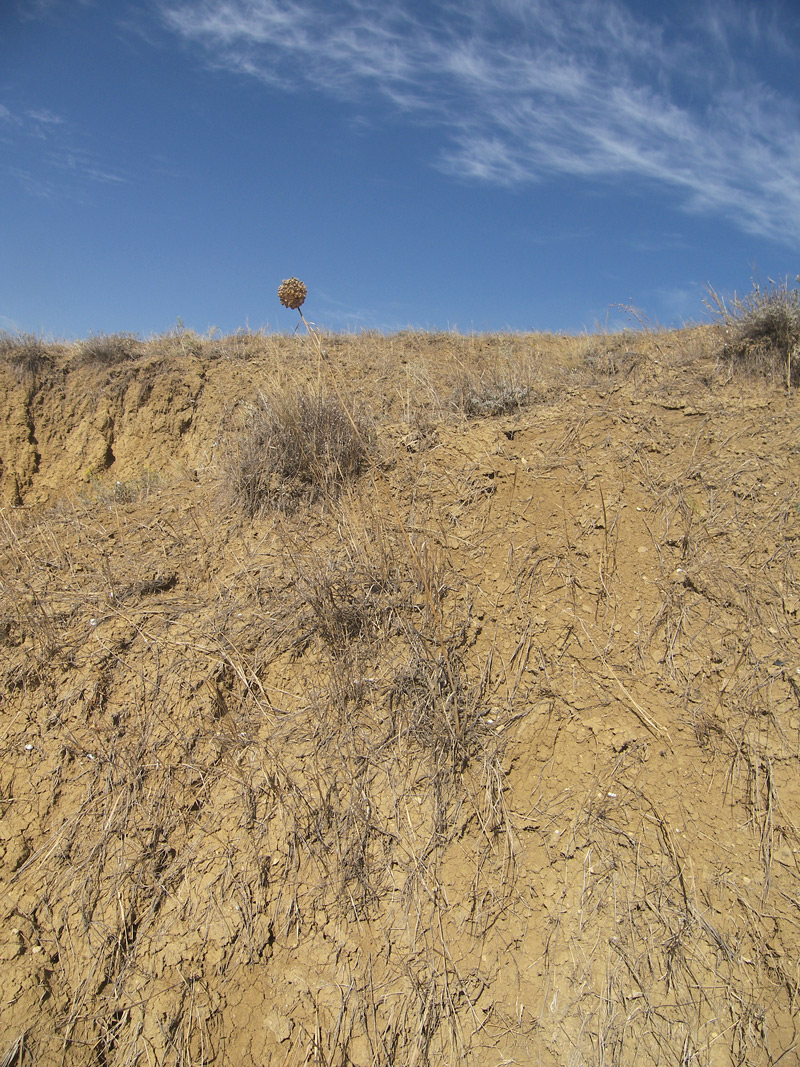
292	294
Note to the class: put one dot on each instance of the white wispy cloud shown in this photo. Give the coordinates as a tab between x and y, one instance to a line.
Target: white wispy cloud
48	157
41	120
526	90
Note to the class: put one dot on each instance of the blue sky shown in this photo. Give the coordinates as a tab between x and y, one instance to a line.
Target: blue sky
482	165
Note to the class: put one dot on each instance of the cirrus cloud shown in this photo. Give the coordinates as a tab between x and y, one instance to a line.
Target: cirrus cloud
526	92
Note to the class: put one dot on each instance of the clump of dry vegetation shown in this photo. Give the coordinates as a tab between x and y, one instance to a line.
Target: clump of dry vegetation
25	353
496	394
108	349
425	740
764	328
292	445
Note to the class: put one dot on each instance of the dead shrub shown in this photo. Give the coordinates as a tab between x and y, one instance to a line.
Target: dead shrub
763	328
25	353
107	349
478	395
294	446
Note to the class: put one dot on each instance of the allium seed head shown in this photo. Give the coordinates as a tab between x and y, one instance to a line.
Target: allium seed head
292	293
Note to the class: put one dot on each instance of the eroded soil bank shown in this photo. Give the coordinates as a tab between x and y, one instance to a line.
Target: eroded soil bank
493	758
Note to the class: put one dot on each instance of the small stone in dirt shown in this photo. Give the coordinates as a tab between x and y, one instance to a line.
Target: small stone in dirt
279	1025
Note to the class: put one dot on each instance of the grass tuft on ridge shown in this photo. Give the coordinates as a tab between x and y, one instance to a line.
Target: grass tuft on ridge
295	446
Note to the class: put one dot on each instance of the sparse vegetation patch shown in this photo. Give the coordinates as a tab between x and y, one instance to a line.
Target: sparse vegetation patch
763	328
292	445
108	349
482	395
26	353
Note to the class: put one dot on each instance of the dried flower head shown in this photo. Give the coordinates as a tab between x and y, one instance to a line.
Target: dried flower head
292	293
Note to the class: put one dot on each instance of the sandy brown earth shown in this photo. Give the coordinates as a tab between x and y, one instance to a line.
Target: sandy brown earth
491	760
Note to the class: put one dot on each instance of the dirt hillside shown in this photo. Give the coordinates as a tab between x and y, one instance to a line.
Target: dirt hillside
486	752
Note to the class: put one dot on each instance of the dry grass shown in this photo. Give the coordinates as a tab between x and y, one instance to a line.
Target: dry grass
108	349
763	328
501	391
27	354
294	446
492	758
322	788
